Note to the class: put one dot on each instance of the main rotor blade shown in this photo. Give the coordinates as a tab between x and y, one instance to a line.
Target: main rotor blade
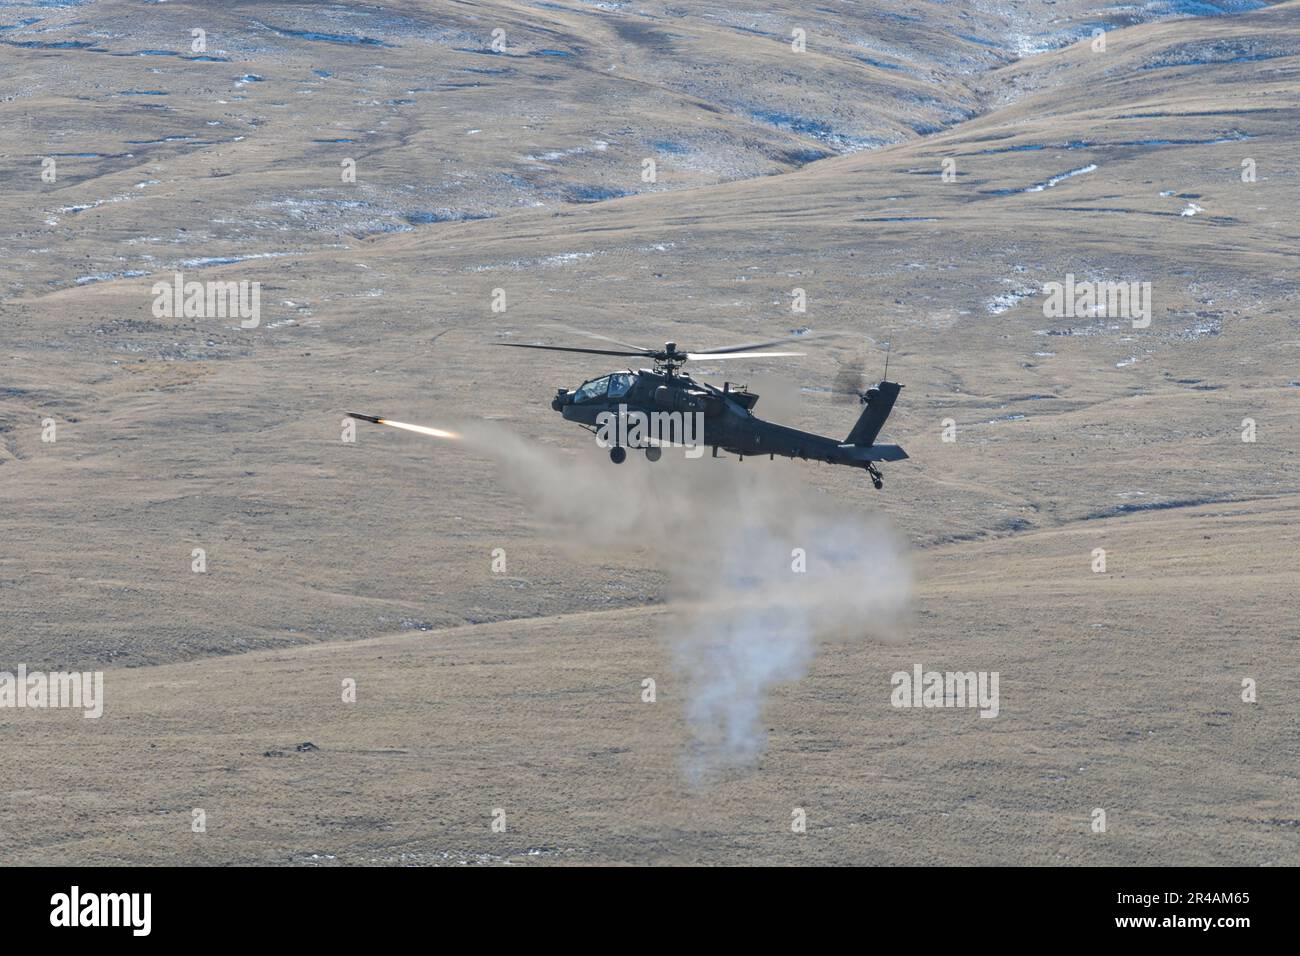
590	335
741	348
565	348
713	356
763	345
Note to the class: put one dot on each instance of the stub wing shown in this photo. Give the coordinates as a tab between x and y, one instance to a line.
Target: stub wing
875	452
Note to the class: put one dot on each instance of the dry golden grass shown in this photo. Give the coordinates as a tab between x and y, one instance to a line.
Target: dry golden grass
371	561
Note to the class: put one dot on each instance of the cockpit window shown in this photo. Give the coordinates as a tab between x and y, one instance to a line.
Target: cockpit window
592	391
610	386
620	383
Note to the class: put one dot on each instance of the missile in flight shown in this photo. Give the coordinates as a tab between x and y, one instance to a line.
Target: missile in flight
418	429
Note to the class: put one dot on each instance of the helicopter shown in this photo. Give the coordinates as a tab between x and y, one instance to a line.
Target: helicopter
726	414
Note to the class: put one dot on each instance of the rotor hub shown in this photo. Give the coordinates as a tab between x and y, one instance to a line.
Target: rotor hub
669	360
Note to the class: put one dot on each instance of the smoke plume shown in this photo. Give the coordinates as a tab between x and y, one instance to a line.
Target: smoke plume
762	570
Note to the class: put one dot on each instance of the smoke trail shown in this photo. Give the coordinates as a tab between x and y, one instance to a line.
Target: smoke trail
761	571
788	572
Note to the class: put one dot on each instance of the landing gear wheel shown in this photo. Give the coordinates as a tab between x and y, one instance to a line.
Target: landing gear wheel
653	452
617	454
877	478
878	483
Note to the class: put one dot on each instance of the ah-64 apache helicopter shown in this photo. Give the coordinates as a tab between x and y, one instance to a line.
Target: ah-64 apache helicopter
727	413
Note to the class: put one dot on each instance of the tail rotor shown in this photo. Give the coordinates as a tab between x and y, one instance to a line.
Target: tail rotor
850	384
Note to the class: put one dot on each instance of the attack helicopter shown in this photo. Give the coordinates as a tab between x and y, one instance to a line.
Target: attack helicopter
726	414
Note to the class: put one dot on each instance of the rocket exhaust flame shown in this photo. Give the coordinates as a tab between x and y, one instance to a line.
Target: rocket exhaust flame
418	429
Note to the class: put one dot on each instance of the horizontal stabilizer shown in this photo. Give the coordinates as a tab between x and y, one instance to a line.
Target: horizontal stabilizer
886	453
875	452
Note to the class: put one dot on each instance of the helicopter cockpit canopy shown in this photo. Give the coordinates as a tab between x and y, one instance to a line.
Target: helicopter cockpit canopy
606	388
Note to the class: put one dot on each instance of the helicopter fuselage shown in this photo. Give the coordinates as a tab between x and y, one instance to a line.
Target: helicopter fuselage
726	415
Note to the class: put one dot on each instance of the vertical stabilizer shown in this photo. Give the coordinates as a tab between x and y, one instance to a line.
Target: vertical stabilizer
880	402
